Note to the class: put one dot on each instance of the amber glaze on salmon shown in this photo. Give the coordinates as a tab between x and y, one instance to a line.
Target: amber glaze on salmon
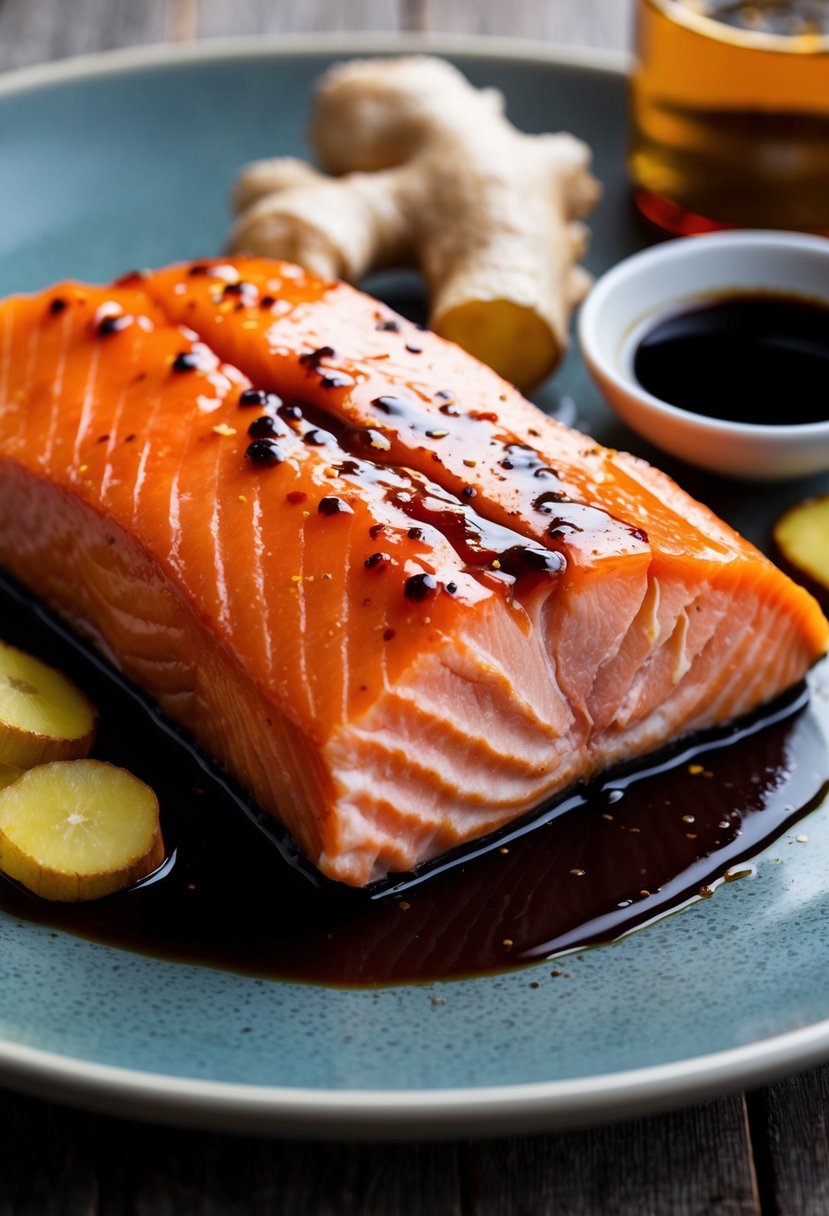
397	601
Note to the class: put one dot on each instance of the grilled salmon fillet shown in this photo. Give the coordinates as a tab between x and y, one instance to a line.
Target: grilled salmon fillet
400	604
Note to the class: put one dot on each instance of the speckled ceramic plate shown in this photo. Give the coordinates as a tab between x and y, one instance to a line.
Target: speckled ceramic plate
127	160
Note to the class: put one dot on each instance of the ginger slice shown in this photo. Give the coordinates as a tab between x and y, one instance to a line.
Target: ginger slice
79	829
43	716
802	539
428	170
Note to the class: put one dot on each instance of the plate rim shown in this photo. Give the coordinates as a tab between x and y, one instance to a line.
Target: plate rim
431	1113
293	45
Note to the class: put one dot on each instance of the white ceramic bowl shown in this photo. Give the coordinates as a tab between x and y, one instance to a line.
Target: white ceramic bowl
626	302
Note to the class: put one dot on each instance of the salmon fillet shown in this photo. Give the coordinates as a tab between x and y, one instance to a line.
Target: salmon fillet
400	604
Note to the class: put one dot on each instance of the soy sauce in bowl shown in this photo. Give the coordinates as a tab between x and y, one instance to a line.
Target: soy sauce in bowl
737	392
760	358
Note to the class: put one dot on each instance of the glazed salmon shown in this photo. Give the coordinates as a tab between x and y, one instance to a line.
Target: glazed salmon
399	603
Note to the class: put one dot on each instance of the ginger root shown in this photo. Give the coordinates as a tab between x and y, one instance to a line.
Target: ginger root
427	170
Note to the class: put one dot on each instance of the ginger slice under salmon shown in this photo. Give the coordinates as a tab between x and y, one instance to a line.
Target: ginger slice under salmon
43	716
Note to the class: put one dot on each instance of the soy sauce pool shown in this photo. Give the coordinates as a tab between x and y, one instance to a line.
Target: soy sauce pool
744	358
235	894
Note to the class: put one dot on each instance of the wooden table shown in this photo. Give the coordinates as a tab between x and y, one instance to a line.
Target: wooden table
763	1152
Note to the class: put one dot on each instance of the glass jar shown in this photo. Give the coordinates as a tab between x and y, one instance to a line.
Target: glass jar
730	114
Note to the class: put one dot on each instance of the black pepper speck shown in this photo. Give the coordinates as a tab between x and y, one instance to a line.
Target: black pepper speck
114	324
265	427
420	587
317	438
240	288
259	397
186	361
332	505
292	412
264	452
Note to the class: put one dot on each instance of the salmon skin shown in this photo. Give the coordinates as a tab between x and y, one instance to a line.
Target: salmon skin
400	604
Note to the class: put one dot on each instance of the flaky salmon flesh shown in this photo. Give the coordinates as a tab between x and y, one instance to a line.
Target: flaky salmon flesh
400	604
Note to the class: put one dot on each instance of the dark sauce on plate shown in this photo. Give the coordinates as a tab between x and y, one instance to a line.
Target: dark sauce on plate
583	870
744	358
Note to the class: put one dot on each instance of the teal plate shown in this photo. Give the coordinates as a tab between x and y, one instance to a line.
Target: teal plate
127	160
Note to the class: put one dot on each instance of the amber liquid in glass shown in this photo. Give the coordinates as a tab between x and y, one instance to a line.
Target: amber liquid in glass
730	114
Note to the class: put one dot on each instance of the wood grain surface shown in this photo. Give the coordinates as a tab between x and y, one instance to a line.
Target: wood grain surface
32	31
762	1154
